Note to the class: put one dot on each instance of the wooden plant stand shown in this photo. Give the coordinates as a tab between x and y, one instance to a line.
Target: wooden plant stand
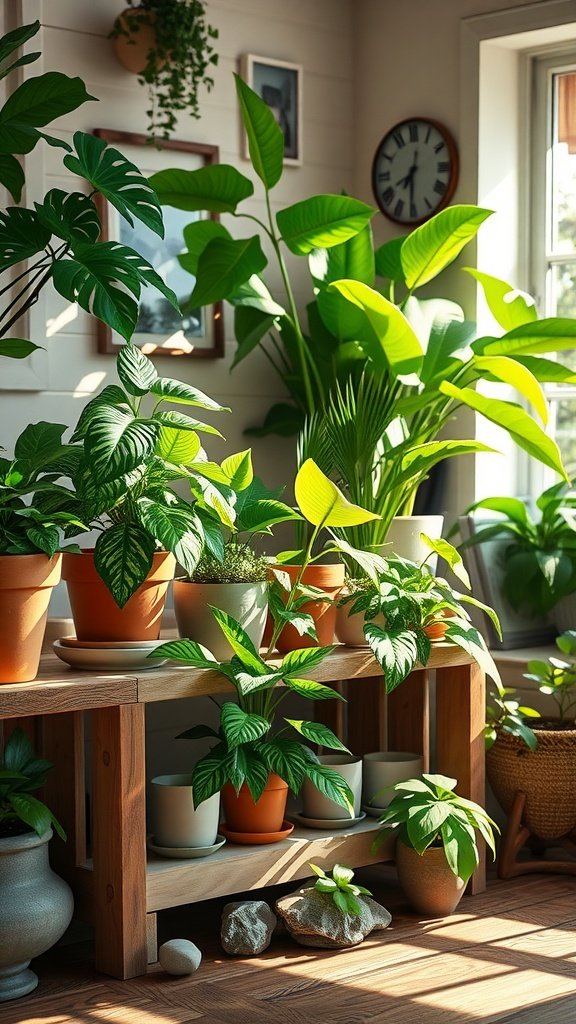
516	835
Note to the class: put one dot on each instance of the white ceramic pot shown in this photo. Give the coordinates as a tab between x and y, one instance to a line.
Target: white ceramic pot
246	602
403	537
350	627
316	805
382	769
176	822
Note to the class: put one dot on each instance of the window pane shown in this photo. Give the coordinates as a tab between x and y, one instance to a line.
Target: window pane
565	432
564	164
563	288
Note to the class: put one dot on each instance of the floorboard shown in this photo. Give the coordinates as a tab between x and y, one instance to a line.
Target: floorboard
507	956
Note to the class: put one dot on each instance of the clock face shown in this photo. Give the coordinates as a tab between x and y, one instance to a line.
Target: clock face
415	170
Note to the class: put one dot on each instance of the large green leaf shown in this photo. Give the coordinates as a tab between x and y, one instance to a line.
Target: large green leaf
547	371
31	811
238	470
100	277
217	189
239	726
388	259
395	650
112	394
322	503
250	326
196	236
322	221
515	421
422	457
71	216
240	642
287	758
11	176
38	445
331	784
511	372
282	419
184	394
345	320
116	178
35	103
387	337
116	442
187	651
13	40
179	447
209	775
317	733
468	638
255	293
136	372
510	307
553	334
180	420
17	348
265	137
21	236
305	659
310	689
430	248
354	259
223	266
123	559
175	526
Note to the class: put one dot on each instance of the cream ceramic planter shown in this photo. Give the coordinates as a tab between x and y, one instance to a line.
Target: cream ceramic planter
316	805
176	822
383	769
246	602
430	885
403	537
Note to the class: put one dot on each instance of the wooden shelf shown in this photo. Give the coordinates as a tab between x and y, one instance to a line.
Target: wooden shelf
234	868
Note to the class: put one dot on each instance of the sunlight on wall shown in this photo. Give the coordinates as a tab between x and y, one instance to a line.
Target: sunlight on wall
88	384
57	323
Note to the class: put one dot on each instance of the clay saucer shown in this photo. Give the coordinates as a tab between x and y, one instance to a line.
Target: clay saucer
256	838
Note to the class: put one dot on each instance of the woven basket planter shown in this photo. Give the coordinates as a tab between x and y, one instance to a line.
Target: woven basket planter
547	775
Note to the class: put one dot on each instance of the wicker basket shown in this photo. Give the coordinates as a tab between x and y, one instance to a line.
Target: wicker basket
547	776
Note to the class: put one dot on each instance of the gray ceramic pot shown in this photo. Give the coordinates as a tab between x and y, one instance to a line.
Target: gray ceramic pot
35	910
246	602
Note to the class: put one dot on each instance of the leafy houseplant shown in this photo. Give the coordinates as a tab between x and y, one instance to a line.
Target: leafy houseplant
169	45
59	240
435	824
340	888
377	372
21	773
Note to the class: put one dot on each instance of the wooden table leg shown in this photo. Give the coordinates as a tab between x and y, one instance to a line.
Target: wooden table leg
64	791
460	716
408	714
119	840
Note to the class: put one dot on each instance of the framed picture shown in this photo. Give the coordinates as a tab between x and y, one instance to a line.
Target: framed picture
279	84
199	333
485	565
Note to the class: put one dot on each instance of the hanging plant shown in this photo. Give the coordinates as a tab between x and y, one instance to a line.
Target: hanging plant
168	44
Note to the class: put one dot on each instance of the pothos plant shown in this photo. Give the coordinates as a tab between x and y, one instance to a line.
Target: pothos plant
179	60
60	239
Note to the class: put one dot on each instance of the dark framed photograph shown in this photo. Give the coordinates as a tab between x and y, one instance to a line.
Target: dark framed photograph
279	84
198	333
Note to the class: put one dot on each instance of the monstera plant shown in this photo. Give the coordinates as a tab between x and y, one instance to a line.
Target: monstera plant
59	240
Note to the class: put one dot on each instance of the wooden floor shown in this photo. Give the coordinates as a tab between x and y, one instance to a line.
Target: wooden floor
507	955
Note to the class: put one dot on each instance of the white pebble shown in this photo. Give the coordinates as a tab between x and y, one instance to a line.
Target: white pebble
179	956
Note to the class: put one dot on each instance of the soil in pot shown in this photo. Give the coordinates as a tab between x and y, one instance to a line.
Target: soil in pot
431	887
95	612
246	602
330	579
26	583
242	814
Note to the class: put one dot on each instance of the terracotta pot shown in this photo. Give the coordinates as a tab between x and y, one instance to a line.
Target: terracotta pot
430	885
26	583
329	578
246	602
132	50
266	815
95	612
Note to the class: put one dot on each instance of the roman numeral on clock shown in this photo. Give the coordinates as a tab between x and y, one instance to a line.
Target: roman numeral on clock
439	187
384	176
413	131
398	208
398	139
443	167
388	196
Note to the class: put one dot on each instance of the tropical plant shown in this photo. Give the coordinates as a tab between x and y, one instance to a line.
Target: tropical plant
246	748
340	888
377	370
412	607
129	452
21	773
178	62
59	240
428	813
539	562
28	484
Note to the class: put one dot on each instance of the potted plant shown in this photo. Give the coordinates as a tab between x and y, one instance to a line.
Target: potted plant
168	44
36	904
536	756
30	544
436	848
230	574
129	449
539	561
59	240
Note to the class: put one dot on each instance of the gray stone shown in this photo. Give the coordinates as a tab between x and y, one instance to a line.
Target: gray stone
247	927
179	956
313	919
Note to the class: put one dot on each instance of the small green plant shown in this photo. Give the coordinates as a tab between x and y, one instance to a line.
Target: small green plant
240	564
21	772
179	61
505	714
340	887
427	812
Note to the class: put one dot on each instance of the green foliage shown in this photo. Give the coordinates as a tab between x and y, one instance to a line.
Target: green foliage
178	63
239	564
60	237
249	746
340	888
21	773
539	562
427	812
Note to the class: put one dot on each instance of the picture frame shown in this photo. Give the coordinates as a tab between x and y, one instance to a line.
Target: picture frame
484	564
199	334
279	84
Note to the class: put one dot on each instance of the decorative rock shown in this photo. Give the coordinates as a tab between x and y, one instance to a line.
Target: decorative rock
312	919
247	927
179	956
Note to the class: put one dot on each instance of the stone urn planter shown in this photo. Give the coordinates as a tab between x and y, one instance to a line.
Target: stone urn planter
35	910
430	885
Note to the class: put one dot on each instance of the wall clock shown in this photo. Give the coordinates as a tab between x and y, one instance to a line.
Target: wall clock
415	170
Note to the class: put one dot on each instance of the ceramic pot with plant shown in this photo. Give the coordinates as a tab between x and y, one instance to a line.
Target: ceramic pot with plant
436	847
257	754
381	770
177	823
129	451
36	904
317	805
168	44
375	371
230	575
32	517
